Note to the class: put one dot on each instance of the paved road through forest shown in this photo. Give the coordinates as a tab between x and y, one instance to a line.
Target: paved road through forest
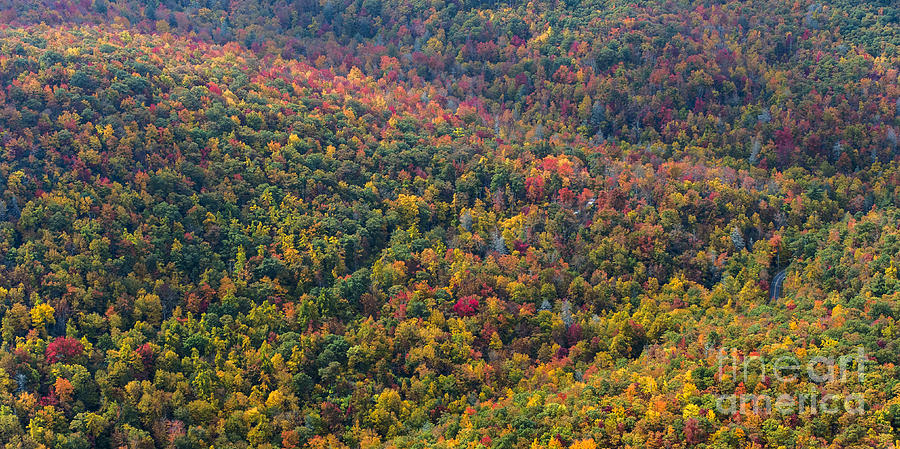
777	284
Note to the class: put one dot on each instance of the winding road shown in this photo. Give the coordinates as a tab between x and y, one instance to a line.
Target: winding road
777	285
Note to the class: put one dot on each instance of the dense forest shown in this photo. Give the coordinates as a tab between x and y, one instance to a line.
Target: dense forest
446	223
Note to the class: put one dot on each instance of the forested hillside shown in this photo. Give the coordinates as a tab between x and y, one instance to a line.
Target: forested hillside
378	223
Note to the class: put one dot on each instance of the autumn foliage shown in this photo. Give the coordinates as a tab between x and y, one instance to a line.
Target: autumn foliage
443	224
